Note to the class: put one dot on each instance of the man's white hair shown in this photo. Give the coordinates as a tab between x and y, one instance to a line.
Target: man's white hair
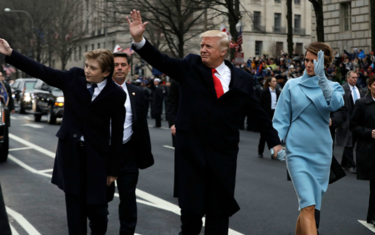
224	40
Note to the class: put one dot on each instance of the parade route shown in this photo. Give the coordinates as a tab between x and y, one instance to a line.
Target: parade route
268	202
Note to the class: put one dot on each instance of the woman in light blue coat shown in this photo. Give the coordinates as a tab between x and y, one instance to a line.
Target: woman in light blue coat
302	119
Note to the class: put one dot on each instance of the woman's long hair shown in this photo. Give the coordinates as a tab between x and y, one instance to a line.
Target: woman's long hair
266	84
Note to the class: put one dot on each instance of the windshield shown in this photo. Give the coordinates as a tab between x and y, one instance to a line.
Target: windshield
55	89
29	85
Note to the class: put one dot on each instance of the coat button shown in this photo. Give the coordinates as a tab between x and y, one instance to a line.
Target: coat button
75	136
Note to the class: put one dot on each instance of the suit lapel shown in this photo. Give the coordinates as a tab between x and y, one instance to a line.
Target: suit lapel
105	92
82	86
208	79
132	96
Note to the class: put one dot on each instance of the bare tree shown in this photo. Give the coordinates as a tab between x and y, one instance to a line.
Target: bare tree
174	21
318	8
68	25
289	17
372	25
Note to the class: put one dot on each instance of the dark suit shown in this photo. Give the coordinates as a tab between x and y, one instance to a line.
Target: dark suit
207	138
4	223
265	100
81	172
157	104
136	154
173	100
344	135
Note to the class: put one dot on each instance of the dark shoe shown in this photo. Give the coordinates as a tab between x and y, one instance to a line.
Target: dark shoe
260	155
371	222
353	170
272	157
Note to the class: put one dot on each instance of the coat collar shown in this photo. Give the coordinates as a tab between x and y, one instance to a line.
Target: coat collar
369	99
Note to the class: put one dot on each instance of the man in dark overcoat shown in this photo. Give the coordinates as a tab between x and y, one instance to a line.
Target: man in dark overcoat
344	136
157	102
363	127
87	155
213	95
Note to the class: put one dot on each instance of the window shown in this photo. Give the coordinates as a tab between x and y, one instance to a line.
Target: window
297	2
345	16
53	64
299	49
277	22
277	1
75	54
113	44
86	48
98	45
79	53
258	47
297	21
279	47
257	15
92	47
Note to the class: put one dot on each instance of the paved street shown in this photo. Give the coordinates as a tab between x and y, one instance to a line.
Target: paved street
267	200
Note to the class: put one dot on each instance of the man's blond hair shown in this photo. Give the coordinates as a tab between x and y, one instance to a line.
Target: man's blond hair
224	40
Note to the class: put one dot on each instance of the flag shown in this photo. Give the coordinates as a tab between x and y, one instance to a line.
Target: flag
223	29
239	38
128	50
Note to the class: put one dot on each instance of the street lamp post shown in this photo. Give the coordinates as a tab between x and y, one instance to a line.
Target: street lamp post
20	11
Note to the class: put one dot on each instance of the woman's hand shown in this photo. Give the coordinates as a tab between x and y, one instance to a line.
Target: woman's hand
319	65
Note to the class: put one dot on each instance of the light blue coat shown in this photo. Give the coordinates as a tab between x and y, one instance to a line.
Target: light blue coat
302	120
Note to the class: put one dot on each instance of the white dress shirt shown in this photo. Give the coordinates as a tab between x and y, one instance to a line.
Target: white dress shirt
97	90
222	72
128	124
273	98
356	91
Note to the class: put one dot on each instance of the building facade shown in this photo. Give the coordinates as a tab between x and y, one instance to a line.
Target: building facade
347	25
265	27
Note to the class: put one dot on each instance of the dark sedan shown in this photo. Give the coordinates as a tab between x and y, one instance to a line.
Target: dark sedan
22	92
48	101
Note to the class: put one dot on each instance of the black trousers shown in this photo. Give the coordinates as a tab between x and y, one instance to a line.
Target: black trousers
371	207
126	185
4	223
217	221
262	140
157	120
78	210
347	159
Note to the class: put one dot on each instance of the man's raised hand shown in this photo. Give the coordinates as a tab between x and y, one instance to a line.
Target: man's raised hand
5	48
136	27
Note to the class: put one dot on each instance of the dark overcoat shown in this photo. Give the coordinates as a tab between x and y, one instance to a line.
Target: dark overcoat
83	118
344	136
157	101
208	128
141	134
362	124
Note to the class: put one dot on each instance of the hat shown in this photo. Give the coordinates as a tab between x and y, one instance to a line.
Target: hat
157	80
281	58
372	53
138	81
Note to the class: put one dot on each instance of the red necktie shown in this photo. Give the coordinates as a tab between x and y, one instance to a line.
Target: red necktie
217	84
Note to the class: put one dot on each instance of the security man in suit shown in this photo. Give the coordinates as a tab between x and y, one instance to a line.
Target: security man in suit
157	102
87	155
136	145
213	94
268	100
344	136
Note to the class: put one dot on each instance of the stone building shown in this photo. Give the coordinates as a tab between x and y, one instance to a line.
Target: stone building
347	25
265	31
